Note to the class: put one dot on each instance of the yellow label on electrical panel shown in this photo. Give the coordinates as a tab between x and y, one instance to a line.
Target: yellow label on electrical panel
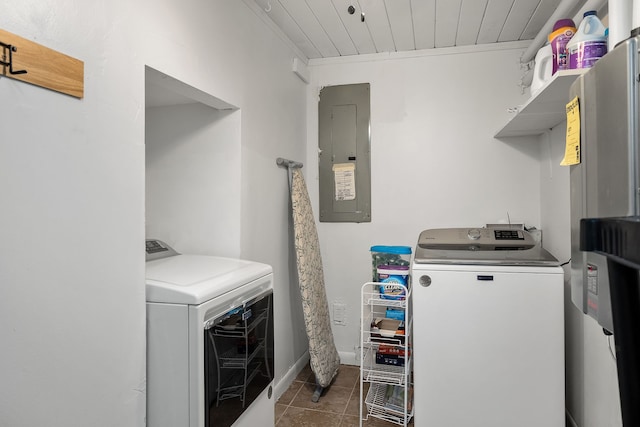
572	147
345	179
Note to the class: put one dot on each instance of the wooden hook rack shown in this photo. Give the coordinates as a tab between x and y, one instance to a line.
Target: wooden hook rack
30	62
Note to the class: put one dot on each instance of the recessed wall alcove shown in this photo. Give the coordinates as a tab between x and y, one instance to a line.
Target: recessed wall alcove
192	167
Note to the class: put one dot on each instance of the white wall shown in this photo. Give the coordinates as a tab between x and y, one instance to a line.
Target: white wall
72	311
71	261
193	178
434	160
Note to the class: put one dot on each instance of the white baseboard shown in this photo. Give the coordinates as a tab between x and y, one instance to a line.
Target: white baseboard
346	358
349	358
291	375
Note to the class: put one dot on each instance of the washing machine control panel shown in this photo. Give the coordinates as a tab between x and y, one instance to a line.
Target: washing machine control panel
476	239
509	234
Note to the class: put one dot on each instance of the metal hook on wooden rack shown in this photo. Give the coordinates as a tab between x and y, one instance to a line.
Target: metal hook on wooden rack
9	63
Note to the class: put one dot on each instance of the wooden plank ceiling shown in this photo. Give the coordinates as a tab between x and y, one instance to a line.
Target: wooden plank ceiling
326	29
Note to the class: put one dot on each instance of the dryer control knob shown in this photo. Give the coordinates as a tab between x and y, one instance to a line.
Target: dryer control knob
474	234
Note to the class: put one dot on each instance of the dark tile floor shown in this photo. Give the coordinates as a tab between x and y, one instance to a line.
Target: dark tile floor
337	407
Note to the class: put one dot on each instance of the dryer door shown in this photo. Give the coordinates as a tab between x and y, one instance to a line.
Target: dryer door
239	359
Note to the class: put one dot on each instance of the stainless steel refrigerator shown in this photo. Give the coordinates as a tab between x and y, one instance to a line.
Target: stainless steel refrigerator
605	183
605	221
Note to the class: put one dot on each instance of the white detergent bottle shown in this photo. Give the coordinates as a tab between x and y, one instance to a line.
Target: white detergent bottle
589	42
543	68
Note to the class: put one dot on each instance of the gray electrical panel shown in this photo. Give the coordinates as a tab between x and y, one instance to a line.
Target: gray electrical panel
344	156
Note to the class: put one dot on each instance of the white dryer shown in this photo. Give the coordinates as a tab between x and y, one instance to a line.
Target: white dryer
488	330
210	354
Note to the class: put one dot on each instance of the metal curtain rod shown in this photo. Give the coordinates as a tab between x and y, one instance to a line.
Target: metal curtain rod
288	163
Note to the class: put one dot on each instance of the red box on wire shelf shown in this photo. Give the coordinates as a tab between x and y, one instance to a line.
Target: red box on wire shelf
390	355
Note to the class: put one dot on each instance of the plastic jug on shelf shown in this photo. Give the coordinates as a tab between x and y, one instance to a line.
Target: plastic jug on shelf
563	31
589	43
542	68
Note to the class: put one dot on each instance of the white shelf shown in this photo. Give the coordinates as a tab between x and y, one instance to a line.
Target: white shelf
382	373
375	403
545	109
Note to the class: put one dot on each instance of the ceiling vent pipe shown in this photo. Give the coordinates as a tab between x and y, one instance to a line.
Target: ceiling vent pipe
620	20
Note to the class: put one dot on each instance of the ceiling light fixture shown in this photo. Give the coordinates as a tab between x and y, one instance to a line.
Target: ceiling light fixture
352	10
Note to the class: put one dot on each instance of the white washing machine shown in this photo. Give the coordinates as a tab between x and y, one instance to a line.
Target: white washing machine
210	354
488	330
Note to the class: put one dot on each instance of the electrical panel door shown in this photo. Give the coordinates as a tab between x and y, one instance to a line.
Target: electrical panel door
344	155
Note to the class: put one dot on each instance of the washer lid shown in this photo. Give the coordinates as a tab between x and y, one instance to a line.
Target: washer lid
194	279
493	246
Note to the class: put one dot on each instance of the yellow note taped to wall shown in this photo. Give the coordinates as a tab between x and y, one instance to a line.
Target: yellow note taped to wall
572	147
